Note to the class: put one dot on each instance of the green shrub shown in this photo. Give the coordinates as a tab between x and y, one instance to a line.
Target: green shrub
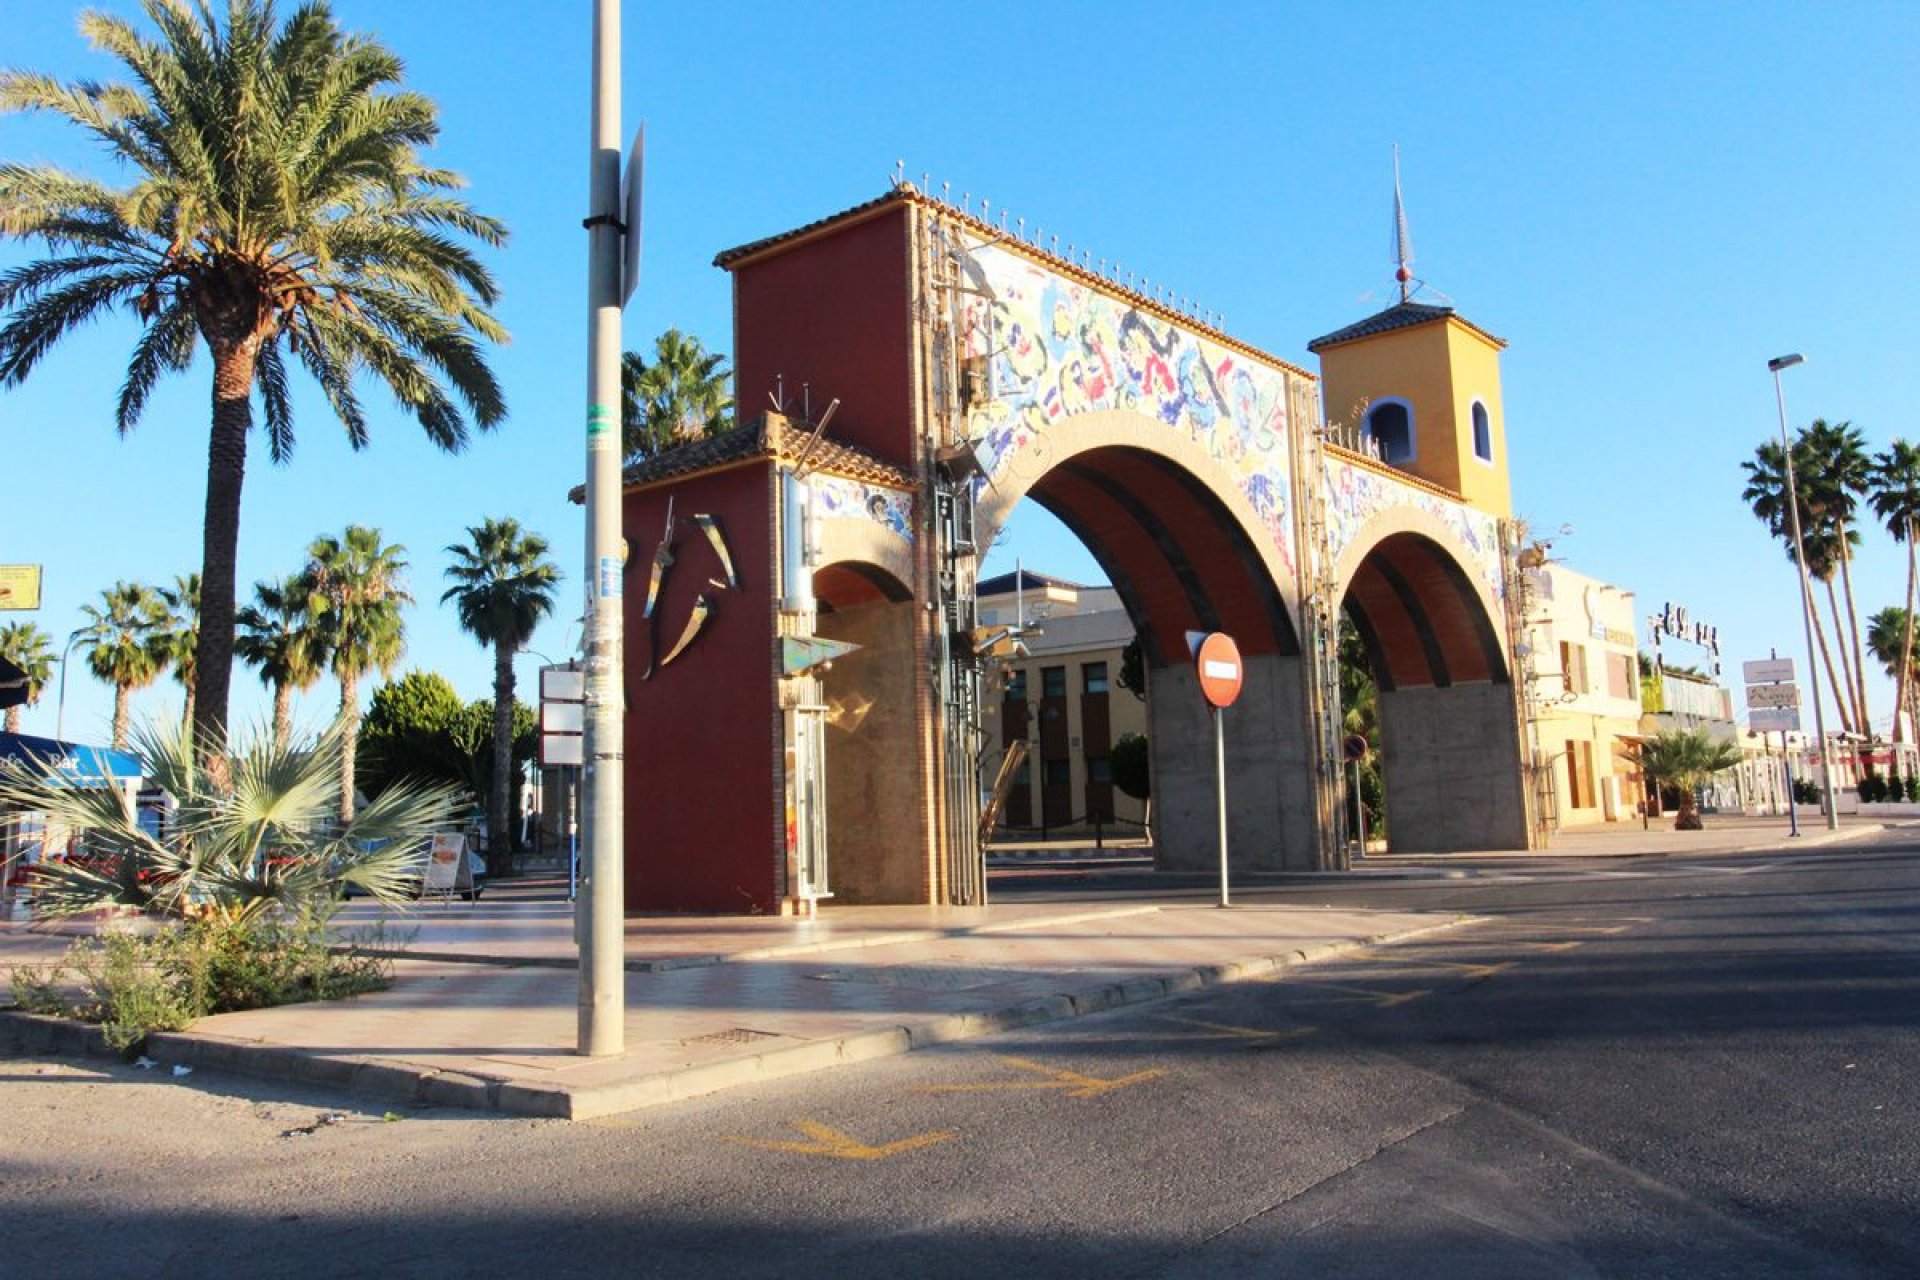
133	985
1805	792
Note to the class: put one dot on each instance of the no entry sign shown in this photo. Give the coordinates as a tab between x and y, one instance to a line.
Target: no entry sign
1218	663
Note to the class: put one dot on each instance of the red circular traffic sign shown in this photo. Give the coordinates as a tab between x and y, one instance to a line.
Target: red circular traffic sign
1218	663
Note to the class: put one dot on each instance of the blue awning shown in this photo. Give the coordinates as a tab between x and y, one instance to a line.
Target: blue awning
83	766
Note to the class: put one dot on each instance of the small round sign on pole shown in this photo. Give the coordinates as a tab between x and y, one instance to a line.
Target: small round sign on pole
1221	673
1216	660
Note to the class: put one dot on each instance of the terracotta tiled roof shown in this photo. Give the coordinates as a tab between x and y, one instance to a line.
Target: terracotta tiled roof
771	437
1402	315
727	257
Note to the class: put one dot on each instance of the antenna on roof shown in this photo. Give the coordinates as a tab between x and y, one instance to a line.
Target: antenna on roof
1402	239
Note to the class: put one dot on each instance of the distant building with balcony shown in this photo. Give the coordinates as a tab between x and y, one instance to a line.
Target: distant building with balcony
1583	695
1062	697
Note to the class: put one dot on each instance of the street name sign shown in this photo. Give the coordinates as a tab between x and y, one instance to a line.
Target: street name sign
1773	695
1774	720
1768	671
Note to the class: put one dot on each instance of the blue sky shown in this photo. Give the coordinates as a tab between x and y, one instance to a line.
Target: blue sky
1647	201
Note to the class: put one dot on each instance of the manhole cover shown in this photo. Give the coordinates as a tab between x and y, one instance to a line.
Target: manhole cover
733	1035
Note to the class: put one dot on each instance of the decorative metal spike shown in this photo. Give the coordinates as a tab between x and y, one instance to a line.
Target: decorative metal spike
966	203
946	194
899	172
926	184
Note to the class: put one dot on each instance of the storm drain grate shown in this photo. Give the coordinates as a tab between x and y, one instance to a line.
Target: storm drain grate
733	1035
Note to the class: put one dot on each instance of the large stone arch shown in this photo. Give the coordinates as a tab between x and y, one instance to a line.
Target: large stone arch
1185	549
1450	735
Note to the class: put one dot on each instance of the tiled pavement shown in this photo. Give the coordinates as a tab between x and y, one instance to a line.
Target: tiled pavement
717	1002
483	1010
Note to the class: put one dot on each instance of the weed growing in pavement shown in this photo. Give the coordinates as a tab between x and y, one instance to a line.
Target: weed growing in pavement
133	985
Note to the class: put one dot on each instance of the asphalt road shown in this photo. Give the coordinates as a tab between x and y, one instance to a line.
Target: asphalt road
1696	1068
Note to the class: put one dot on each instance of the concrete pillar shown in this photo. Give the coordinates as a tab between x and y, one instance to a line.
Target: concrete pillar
1451	762
1270	811
874	808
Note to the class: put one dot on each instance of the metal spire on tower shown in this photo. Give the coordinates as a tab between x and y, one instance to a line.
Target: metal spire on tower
1402	239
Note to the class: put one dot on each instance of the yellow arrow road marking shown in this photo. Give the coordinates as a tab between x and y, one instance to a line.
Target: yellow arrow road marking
1074	1084
1384	999
1226	1031
823	1140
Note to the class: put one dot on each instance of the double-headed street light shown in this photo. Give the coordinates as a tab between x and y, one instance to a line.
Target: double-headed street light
1775	365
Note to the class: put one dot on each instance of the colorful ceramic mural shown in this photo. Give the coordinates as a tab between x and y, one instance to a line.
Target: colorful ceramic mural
1060	348
835	498
1355	494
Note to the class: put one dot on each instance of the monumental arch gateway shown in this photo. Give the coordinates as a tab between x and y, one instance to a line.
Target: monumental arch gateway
803	665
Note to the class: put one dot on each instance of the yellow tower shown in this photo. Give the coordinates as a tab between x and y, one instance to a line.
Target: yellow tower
1421	387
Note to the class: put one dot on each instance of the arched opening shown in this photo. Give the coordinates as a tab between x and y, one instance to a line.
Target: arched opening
1180	556
857	719
1390	426
1445	728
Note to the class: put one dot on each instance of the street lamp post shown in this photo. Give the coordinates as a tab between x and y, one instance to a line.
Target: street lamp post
603	941
1806	589
60	708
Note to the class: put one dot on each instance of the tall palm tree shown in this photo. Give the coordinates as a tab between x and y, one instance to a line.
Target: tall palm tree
1895	495
1766	493
502	586
280	212
1844	476
1889	641
354	590
30	649
280	635
181	635
124	643
681	396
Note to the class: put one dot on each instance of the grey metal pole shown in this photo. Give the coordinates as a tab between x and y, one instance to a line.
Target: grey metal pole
1220	774
603	941
1806	590
60	711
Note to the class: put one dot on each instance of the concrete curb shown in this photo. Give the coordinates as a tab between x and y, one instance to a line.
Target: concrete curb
408	1083
667	964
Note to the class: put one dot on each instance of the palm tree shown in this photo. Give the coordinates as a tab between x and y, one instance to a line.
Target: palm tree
181	635
1843	476
280	635
124	642
1895	495
1766	493
681	396
503	586
281	212
211	862
30	649
355	592
1684	759
1890	643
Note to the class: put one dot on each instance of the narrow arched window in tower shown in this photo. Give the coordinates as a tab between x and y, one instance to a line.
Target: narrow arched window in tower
1482	433
1391	426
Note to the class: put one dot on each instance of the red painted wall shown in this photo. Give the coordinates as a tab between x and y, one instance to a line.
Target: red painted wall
703	734
833	312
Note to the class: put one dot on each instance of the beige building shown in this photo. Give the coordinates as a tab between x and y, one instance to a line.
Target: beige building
1062	696
1583	694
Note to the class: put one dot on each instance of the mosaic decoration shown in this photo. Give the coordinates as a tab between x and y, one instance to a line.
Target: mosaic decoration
836	498
1060	348
1356	494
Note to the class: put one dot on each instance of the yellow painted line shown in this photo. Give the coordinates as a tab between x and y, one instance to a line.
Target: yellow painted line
1226	1031
1549	946
1072	1083
1474	972
823	1140
1383	999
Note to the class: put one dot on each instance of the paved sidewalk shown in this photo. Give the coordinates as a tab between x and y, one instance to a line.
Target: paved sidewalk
483	1012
